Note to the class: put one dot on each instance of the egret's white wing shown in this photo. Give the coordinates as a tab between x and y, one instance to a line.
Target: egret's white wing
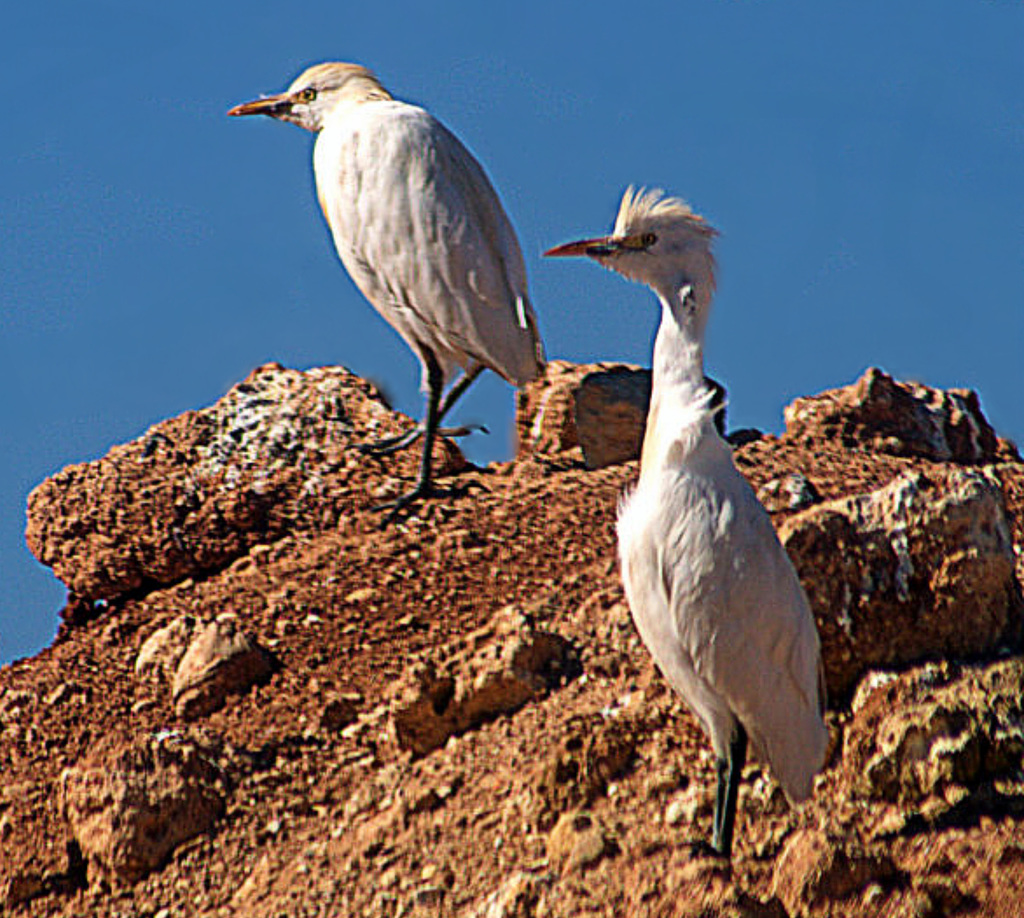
744	619
423	234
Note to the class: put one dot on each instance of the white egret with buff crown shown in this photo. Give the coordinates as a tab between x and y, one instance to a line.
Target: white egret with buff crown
420	229
712	591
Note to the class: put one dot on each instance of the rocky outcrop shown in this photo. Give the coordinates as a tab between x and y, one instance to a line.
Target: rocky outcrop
905	419
921	568
546	410
940	731
594	751
128	808
426	747
578	840
600	407
815	869
221	660
611	414
162	651
500	668
193	493
518	896
791	492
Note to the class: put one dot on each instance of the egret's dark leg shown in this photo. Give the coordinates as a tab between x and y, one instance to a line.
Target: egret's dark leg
729	771
393	444
455	392
435	383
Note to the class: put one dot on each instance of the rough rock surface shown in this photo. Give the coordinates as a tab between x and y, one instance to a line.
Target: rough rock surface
195	492
161	652
327	815
937	731
880	413
504	665
127	810
221	660
611	414
599	407
595	749
791	492
920	568
519	896
814	869
546	411
578	840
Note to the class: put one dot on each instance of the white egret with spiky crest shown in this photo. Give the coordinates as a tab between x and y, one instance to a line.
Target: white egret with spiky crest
712	591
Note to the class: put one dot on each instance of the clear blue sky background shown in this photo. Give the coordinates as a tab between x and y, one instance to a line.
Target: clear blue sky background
862	160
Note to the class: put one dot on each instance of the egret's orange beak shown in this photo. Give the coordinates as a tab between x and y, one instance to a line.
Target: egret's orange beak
602	245
268	105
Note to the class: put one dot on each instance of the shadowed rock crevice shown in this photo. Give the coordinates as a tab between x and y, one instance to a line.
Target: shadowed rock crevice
501	668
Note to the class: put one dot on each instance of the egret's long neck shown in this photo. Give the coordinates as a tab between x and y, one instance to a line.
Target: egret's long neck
678	366
678	391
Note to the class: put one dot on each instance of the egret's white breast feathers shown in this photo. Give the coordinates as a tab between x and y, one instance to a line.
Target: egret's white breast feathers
683	427
719	605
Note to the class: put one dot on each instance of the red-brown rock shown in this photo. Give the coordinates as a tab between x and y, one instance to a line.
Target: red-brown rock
161	652
936	730
546	410
578	840
129	807
815	868
331	817
921	568
500	668
193	493
905	419
221	660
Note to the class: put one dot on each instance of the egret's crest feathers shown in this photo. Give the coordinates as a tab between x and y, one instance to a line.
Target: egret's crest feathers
334	75
642	208
674	243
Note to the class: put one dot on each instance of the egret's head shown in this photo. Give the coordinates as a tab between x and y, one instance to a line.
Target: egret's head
315	92
657	240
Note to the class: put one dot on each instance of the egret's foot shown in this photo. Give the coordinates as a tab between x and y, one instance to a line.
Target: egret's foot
391	445
701	849
393	508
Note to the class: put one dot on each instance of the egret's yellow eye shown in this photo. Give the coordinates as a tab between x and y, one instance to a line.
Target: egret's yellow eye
638	243
307	95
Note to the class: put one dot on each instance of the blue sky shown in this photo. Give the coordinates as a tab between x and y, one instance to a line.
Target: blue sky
863	162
